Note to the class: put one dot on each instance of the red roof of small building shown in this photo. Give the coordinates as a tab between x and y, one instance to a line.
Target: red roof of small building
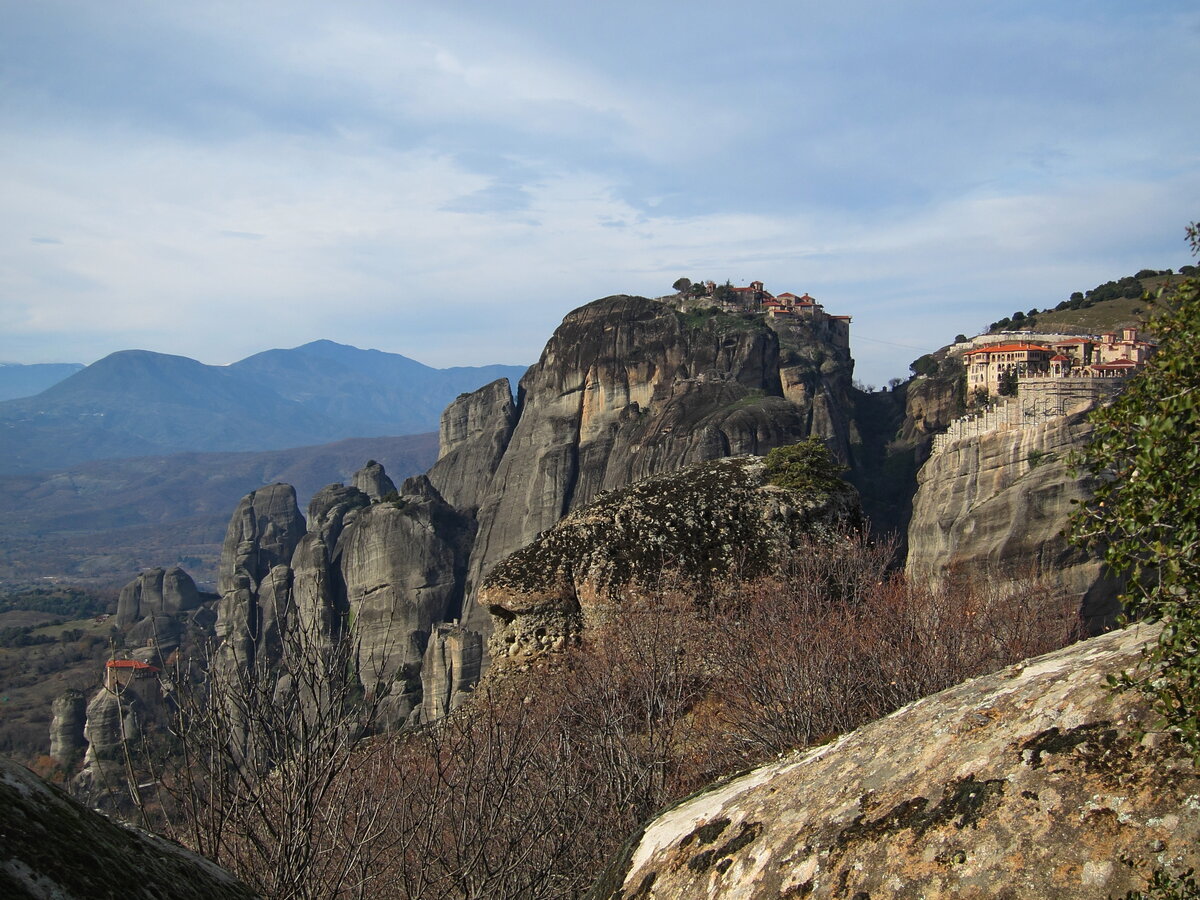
130	664
1058	357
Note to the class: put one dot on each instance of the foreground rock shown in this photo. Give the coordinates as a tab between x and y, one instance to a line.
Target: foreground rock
1027	783
701	523
53	847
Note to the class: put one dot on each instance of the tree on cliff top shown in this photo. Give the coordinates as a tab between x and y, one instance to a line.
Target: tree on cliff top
1145	515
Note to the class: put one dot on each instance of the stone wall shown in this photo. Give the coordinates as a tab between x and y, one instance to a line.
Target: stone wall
1038	400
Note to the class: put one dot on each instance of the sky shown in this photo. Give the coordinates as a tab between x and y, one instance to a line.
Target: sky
448	180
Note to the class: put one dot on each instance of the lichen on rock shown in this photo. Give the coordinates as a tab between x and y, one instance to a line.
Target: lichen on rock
701	524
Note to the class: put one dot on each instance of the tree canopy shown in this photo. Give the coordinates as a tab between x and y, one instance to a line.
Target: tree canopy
1145	514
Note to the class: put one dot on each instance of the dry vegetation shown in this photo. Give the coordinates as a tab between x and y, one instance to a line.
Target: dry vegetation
528	789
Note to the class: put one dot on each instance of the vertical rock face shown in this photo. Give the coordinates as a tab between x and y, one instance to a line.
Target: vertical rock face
475	431
179	592
995	505
68	715
265	529
141	597
373	481
449	670
402	566
625	389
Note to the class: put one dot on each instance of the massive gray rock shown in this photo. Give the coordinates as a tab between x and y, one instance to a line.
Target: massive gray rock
157	592
402	565
68	715
995	505
254	576
627	388
475	431
264	530
373	481
1034	782
698	525
54	847
450	669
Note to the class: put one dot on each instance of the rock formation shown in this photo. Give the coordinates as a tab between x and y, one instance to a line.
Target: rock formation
68	715
373	481
157	592
54	847
700	524
996	504
402	565
450	669
1032	782
627	388
474	433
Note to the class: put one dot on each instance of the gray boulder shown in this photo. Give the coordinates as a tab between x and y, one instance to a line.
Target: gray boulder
1032	782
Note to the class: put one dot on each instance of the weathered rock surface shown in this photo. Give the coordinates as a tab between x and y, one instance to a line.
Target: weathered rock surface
474	433
264	530
450	669
1029	783
373	481
157	592
402	565
68	715
54	847
626	388
700	523
254	578
995	505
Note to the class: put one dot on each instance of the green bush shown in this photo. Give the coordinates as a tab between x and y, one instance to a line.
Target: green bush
806	466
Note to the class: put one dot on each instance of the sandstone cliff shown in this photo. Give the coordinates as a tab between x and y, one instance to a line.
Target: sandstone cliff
995	505
699	524
1032	782
54	847
628	388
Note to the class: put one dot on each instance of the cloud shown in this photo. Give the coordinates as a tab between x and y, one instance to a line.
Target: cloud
221	178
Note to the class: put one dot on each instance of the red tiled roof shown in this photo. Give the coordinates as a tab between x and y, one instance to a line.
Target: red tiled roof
1007	348
129	664
1060	358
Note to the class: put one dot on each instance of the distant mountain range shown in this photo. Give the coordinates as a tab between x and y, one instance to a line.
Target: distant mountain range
139	403
17	380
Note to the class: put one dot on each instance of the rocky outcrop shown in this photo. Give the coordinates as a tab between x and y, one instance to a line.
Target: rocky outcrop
450	669
113	721
68	715
931	404
254	577
1032	782
698	524
627	388
157	592
373	481
995	505
263	533
54	847
474	433
402	564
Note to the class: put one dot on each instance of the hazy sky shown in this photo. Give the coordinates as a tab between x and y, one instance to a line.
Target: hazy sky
447	180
